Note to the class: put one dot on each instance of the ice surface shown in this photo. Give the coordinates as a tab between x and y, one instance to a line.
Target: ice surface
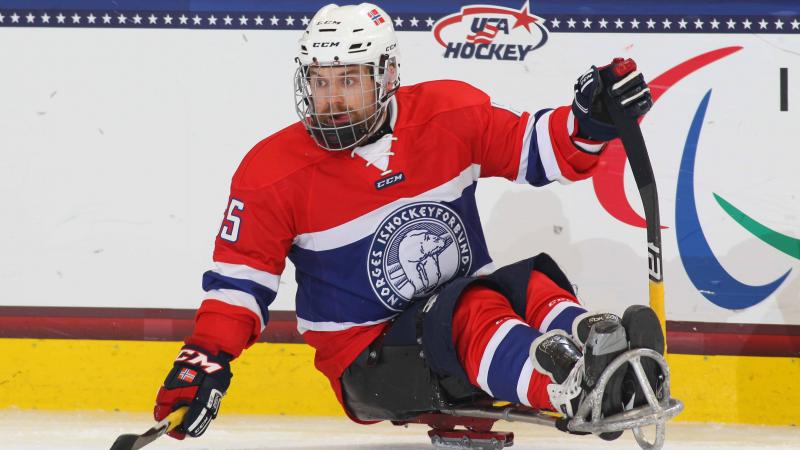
36	430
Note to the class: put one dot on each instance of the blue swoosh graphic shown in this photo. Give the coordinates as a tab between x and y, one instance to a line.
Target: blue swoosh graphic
702	267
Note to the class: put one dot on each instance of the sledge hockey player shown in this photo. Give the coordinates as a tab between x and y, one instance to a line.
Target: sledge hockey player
372	196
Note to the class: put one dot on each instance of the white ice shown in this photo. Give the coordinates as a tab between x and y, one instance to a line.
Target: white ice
36	430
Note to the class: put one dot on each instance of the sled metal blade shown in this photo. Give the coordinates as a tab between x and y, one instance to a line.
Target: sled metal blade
470	439
507	413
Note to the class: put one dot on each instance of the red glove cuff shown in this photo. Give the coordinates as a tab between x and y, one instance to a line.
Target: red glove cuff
224	327
574	163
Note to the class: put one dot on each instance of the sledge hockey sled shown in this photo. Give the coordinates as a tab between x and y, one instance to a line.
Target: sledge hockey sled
470	427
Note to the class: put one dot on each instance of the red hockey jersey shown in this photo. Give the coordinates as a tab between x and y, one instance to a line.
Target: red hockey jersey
374	229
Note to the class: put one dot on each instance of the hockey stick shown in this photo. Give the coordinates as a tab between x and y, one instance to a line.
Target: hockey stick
137	441
635	148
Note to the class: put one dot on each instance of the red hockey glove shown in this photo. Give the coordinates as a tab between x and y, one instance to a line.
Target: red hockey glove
197	380
626	85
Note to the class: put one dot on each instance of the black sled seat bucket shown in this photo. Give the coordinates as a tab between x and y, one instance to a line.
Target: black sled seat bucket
660	408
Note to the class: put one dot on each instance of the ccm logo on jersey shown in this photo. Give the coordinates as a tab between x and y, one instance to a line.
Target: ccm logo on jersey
490	32
198	359
390	180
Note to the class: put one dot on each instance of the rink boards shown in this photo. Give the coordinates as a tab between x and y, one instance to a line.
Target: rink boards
119	138
281	379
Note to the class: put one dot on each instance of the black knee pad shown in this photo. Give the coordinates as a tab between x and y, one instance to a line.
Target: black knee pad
393	379
398	386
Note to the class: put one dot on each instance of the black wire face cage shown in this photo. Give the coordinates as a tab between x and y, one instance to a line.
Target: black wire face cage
342	105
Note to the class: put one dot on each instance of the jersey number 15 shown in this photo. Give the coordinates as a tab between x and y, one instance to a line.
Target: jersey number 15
230	226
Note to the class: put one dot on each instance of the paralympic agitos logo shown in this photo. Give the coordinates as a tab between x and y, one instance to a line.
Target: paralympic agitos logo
490	32
702	266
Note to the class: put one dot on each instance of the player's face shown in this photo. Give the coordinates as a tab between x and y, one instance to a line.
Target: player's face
342	95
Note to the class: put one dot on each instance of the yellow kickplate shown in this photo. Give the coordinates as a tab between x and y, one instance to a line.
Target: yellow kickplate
125	375
281	379
737	389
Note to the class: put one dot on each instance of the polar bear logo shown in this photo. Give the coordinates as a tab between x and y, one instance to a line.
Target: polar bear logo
416	249
419	257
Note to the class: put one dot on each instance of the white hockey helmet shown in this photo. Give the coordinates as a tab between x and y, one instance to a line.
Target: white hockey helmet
346	48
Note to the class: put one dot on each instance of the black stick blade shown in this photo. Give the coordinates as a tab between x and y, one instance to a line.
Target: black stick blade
126	442
137	441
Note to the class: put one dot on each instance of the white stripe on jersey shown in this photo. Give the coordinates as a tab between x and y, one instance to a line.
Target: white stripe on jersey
307	325
488	352
553	314
244	272
238	298
524	382
526	147
365	225
546	151
570	123
516	112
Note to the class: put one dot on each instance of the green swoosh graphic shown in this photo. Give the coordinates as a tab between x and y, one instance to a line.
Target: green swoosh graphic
782	242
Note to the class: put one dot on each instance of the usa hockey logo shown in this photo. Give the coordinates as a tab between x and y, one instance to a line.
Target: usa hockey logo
416	249
490	32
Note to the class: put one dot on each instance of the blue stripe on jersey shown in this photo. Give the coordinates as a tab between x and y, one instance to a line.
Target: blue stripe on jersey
536	174
333	285
336	287
508	360
263	295
565	319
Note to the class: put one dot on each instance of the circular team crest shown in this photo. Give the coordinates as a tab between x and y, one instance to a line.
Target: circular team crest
416	249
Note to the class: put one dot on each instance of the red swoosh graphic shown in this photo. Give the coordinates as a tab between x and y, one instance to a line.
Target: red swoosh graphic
609	180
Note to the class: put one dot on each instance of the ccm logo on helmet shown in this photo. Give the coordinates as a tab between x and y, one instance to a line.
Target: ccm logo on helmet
325	44
198	359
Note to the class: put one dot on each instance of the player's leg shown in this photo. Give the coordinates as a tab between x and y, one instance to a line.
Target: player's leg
541	293
555	311
493	346
513	361
541	296
550	305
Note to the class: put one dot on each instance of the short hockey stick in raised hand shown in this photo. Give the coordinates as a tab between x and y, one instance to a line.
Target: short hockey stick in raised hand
635	148
137	441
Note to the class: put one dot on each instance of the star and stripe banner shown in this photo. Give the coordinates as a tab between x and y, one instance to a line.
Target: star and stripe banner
604	16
